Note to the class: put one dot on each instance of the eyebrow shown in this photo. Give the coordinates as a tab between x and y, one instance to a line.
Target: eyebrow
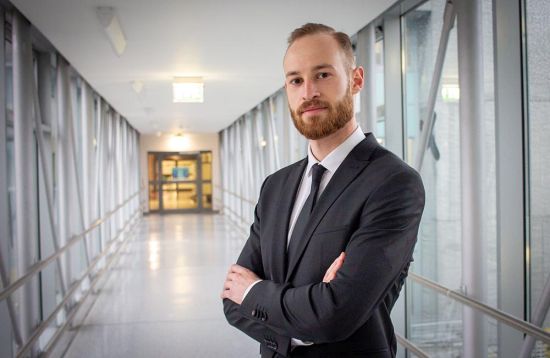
316	68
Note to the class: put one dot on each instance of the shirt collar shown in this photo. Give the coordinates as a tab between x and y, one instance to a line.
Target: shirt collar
333	160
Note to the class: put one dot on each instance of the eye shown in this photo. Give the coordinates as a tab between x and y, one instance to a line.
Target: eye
322	75
295	81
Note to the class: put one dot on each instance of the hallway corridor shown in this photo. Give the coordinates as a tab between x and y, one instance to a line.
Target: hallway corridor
162	298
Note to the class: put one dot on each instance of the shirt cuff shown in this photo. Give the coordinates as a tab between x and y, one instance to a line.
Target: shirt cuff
249	288
295	342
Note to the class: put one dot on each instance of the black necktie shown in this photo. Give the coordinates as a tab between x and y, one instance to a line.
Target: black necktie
303	218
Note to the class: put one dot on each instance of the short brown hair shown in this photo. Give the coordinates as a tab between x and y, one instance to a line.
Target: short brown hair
313	29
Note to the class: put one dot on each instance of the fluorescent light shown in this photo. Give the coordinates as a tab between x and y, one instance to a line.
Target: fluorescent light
111	25
188	90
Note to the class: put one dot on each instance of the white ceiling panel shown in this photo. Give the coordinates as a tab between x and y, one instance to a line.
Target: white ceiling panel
236	46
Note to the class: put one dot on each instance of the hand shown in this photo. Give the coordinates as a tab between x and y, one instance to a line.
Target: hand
333	269
237	281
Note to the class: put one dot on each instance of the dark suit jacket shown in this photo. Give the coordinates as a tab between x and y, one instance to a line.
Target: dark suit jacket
371	209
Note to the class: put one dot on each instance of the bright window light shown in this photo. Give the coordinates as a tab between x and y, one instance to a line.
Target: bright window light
450	92
188	90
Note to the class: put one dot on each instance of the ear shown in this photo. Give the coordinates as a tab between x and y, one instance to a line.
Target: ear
357	79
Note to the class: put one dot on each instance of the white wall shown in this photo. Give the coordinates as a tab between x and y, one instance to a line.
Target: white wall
192	142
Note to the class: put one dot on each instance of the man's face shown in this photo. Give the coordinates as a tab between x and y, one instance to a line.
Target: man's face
318	86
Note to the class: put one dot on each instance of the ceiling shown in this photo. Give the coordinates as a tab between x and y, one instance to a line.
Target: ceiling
236	46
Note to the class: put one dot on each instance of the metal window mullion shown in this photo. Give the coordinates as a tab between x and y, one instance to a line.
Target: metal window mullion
4	203
366	41
46	175
449	16
86	130
472	170
393	92
73	153
63	182
25	190
394	127
97	203
510	169
274	137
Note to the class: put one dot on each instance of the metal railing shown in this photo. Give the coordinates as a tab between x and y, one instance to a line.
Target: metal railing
509	320
41	265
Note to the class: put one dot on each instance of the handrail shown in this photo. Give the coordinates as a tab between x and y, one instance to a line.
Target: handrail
235	194
45	323
413	348
501	316
40	265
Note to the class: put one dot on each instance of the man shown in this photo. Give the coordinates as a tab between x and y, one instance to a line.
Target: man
334	233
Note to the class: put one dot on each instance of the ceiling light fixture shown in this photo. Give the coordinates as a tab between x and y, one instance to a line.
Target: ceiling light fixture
188	90
111	25
137	86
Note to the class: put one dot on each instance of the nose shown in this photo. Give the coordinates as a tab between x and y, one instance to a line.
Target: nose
310	90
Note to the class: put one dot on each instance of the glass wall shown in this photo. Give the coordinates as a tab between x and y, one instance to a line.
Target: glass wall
435	322
537	13
82	160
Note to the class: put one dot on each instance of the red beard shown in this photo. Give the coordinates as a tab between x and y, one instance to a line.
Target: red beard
320	126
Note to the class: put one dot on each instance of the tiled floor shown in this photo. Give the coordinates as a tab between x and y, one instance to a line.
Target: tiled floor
162	298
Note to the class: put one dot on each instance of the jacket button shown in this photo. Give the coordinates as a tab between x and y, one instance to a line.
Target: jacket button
254	313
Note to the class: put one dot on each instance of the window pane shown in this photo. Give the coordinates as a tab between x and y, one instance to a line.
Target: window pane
435	322
538	85
380	130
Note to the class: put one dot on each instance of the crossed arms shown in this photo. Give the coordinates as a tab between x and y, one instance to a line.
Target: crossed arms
377	254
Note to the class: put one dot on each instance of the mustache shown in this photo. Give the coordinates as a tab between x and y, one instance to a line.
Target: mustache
314	103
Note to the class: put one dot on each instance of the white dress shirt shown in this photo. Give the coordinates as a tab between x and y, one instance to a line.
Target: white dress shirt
331	162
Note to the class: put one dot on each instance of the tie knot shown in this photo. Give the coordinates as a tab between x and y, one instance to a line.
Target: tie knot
318	171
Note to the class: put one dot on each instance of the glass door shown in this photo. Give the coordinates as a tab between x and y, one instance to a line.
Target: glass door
180	181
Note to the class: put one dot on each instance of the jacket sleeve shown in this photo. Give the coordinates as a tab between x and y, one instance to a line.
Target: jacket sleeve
376	255
251	258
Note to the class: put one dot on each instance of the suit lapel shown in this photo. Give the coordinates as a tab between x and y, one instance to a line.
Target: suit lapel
279	238
350	168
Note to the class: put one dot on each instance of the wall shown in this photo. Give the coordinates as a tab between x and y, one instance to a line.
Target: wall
192	142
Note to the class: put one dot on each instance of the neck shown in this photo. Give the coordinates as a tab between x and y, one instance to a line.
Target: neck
322	147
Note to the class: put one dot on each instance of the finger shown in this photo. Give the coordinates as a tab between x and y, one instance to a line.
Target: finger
337	267
238	269
226	294
232	276
330	269
328	277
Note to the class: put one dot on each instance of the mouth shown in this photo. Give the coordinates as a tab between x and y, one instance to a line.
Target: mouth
313	110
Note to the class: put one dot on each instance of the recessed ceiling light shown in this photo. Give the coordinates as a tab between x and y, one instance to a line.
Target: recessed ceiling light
111	25
137	86
188	90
